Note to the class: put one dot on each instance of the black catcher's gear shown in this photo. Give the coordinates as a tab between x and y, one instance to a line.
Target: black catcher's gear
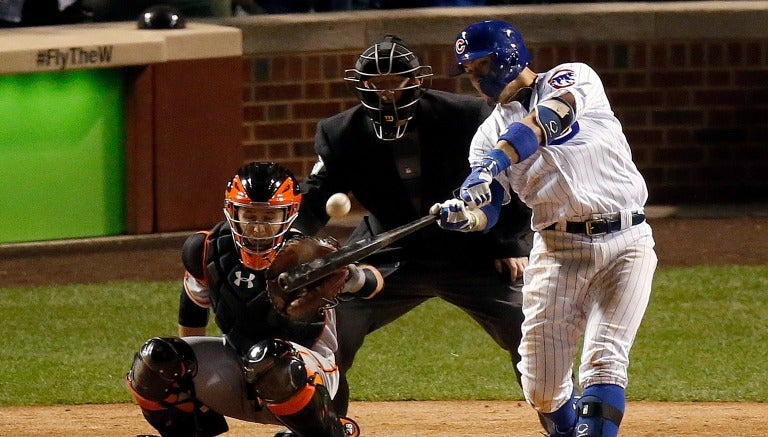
161	383
389	80
239	298
261	202
307	303
162	369
291	392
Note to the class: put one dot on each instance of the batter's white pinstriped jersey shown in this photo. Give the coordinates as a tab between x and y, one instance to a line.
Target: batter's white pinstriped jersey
575	284
590	173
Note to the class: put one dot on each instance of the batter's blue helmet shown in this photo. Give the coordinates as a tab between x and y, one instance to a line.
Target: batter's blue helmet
492	37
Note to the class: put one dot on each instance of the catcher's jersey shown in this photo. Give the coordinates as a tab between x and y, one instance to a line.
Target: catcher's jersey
237	295
587	171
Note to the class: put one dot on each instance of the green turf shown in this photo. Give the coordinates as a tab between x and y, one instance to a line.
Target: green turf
702	339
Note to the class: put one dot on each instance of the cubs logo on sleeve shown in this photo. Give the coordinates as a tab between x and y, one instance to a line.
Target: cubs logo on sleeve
562	78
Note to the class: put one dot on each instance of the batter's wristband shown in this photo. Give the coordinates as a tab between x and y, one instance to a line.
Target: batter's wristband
496	161
522	138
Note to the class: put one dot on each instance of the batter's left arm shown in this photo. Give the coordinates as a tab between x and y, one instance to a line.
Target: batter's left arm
549	120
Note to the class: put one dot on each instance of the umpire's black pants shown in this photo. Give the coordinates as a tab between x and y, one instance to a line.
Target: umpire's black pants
475	287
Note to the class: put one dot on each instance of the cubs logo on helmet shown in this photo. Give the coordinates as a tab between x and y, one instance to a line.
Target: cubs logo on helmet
461	45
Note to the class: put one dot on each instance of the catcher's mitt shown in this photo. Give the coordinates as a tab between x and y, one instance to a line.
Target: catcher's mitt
307	303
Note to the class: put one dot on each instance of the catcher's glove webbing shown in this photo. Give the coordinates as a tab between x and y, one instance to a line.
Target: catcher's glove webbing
304	304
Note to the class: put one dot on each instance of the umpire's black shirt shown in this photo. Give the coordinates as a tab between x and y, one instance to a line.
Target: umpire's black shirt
397	181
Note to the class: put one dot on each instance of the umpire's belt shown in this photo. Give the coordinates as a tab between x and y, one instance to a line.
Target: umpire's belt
598	226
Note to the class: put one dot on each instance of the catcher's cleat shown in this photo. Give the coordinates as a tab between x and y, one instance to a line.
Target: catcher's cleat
350	427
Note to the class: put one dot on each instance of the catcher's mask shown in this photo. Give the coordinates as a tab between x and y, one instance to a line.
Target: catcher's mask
500	40
262	201
388	80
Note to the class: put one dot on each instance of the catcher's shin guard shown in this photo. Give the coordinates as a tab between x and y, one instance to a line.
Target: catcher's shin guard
295	395
160	381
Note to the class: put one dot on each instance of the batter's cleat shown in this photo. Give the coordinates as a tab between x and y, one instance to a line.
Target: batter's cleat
350	427
285	433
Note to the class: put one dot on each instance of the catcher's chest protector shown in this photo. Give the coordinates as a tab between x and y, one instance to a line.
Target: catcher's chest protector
239	298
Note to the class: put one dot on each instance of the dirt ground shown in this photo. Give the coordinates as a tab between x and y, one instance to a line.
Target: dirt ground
680	242
424	419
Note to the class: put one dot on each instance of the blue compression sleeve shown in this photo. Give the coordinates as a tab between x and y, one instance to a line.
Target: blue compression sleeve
493	209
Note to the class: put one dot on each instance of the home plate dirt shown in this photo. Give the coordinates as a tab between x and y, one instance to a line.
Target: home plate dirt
411	418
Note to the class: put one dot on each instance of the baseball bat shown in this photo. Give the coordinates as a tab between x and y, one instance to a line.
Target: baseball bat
309	272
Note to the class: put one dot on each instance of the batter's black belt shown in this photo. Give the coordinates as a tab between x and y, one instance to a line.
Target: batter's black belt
597	226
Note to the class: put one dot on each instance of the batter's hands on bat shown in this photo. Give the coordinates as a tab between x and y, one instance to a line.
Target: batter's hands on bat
454	215
475	191
514	267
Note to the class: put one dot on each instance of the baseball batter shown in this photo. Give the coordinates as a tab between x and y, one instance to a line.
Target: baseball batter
554	140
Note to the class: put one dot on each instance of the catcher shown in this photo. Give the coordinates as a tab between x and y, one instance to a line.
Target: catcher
275	363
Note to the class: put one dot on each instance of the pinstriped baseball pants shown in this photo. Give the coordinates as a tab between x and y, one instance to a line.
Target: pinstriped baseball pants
576	286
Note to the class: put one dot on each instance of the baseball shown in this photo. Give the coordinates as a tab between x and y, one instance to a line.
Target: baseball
338	205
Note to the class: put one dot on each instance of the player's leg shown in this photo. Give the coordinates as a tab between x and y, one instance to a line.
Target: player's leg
220	381
296	385
555	284
621	294
161	382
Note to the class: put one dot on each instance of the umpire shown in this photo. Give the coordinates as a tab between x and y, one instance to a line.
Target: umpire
401	150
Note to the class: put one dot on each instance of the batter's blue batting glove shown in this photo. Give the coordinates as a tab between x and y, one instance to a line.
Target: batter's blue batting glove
453	215
475	191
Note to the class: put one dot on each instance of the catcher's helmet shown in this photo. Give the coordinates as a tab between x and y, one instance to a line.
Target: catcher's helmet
261	203
389	80
492	37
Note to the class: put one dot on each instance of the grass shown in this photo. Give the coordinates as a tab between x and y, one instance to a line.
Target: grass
701	340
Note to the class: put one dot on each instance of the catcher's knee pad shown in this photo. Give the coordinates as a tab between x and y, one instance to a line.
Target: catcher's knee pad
294	394
161	374
276	370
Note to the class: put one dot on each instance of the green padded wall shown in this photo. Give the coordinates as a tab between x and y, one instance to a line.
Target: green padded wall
62	155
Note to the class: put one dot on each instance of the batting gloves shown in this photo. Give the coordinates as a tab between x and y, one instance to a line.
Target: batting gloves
453	215
475	191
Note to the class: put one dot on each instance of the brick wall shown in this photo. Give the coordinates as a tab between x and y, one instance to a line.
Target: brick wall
693	106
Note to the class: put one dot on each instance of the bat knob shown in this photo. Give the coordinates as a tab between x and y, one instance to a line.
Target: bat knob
282	281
